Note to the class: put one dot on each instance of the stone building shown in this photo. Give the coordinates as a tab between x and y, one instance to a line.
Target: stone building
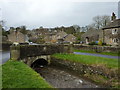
48	39
70	38
112	33
92	36
63	37
54	37
60	37
17	36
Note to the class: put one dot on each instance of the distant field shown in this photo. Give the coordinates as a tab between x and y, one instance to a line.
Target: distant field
103	53
90	60
18	75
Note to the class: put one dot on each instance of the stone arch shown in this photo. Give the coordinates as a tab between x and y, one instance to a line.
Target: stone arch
40	62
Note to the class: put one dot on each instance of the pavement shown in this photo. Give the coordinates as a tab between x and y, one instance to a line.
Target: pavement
99	55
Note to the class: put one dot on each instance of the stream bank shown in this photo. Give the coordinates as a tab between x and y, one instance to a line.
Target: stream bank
106	77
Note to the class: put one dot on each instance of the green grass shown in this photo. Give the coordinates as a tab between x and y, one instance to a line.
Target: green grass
103	53
16	74
104	63
100	79
89	60
0	77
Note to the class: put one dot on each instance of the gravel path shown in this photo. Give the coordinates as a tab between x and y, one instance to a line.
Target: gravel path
99	55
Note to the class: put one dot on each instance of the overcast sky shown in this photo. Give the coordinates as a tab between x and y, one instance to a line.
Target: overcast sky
53	13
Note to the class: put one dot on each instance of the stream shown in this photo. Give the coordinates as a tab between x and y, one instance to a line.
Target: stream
59	78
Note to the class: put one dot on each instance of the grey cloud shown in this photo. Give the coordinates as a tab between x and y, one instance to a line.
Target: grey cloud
52	14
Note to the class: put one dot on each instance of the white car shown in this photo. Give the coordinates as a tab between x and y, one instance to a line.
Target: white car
15	43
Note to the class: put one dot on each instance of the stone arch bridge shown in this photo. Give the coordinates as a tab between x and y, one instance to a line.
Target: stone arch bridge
30	53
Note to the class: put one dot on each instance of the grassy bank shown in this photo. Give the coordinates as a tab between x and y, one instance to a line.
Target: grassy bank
89	60
103	53
18	75
105	65
0	77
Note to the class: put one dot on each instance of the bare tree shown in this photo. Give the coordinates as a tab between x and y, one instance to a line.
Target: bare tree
97	22
101	21
2	23
105	20
91	26
23	29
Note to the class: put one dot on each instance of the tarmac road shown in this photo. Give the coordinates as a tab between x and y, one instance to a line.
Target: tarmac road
99	55
4	56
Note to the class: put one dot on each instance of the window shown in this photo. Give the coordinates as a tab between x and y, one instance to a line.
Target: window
114	31
115	40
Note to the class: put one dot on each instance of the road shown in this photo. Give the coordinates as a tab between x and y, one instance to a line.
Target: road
99	55
4	56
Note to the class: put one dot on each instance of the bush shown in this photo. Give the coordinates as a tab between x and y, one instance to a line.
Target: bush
93	43
100	43
104	44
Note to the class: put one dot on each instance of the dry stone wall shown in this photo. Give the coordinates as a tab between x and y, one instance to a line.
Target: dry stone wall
97	48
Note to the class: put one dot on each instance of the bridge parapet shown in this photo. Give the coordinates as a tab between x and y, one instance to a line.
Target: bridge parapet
23	51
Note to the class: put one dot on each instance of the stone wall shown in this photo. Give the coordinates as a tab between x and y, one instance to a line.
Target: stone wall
6	46
24	51
97	48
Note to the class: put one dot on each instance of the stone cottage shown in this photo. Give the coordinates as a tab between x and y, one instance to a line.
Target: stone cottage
54	37
17	36
70	38
60	37
48	39
112	33
92	35
63	37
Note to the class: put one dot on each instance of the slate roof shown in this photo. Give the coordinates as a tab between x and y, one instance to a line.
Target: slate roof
92	32
114	24
69	35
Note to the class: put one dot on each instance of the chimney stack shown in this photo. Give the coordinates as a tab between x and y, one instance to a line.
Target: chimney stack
113	16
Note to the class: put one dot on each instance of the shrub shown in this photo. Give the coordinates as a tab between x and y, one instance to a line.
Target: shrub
100	42
104	44
92	43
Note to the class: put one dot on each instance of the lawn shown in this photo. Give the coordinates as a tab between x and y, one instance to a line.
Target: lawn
103	53
89	60
0	77
16	74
